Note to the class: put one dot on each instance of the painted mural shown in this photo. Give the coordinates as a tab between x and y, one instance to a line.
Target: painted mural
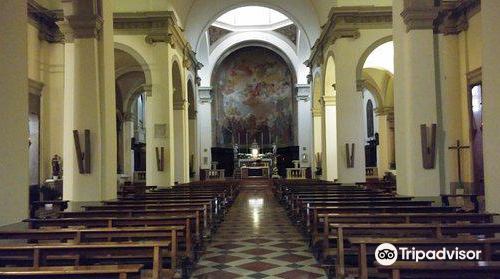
253	99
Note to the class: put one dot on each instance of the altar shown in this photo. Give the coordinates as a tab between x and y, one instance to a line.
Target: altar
255	167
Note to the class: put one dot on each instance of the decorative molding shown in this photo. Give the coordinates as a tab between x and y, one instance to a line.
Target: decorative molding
128	116
360	84
419	14
148	88
153	38
159	27
475	76
317	112
381	111
204	94
35	87
180	105
345	22
329	101
454	16
45	21
303	92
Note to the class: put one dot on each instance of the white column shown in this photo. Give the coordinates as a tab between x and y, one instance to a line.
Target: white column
304	125
415	95
159	116
329	139
205	126
491	102
317	120
349	112
82	100
108	103
181	142
13	111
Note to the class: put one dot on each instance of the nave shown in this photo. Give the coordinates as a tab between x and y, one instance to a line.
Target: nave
257	240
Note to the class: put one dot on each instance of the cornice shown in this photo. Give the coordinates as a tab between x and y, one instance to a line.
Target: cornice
346	22
159	27
454	16
45	21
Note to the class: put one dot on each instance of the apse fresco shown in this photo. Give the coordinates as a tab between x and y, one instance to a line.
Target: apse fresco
253	99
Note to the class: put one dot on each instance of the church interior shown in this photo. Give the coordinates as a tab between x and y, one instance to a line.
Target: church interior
223	139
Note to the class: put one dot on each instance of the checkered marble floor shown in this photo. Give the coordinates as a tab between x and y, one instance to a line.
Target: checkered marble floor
257	240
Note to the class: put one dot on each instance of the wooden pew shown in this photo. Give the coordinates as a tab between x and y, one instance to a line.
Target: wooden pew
39	255
122	271
188	221
340	232
78	236
366	246
146	213
408	218
451	269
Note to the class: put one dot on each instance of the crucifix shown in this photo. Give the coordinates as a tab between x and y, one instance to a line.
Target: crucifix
459	147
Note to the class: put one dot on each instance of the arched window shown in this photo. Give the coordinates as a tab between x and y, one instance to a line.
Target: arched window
369	119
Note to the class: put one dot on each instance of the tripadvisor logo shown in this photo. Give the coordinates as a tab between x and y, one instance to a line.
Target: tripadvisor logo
387	254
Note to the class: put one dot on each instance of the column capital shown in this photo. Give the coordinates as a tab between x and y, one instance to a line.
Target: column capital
205	94
303	92
419	14
360	84
329	101
160	37
128	117
148	88
85	26
380	111
35	87
180	105
317	112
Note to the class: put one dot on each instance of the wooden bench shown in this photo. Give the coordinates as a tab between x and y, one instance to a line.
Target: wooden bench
39	255
125	271
188	221
367	245
78	236
338	233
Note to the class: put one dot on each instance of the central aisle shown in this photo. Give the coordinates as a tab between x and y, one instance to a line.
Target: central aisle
257	240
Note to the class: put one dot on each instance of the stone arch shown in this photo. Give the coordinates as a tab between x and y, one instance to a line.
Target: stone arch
317	89
308	26
138	57
367	52
178	94
330	75
374	89
254	39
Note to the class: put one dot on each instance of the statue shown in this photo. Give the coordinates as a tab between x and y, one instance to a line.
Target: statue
56	167
275	149
236	150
